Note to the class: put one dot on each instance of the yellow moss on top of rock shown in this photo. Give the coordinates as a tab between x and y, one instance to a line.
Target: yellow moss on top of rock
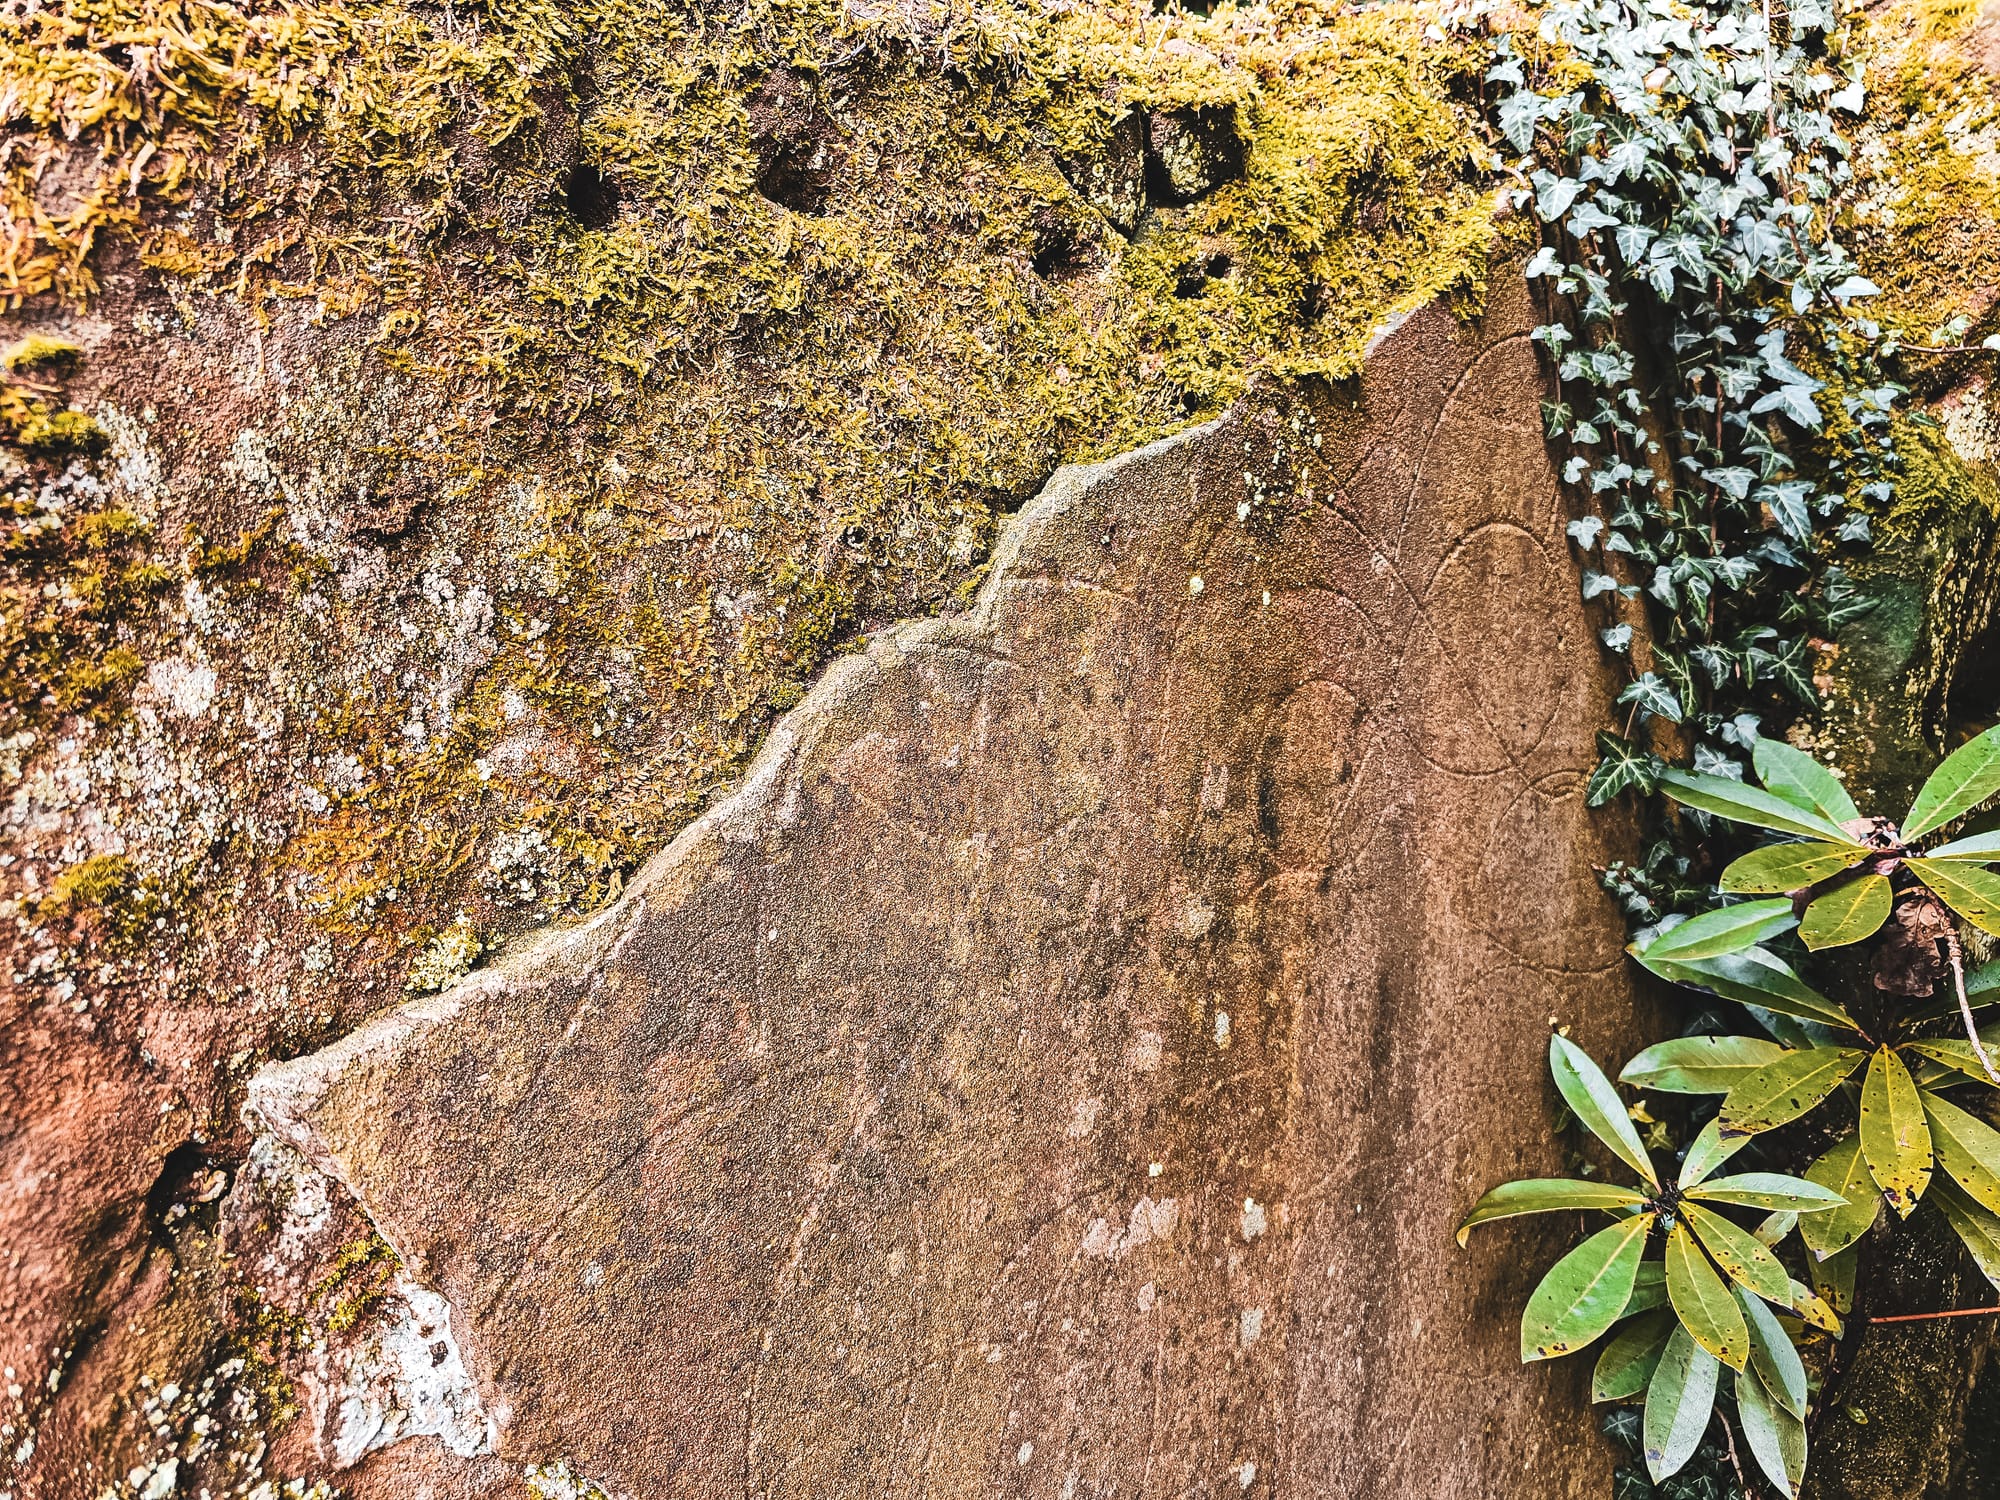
696	338
1927	221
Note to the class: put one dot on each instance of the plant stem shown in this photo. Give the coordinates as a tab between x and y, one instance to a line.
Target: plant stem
1956	951
1956	1312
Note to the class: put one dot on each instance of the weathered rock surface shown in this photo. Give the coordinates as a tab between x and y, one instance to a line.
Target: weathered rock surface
1059	1067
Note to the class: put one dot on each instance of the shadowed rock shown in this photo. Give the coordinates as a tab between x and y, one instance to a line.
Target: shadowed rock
1059	1067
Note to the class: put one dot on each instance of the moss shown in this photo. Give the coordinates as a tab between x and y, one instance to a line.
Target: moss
1926	223
78	581
39	350
95	882
688	443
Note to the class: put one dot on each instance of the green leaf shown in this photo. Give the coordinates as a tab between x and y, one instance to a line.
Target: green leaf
1747	804
1788	867
1972	892
1649	1289
1542	1195
1967	1148
1773	1228
1853	910
1594	1101
1802	781
1895	1137
1974	1225
1772	1355
1585	1292
1754	977
1967	777
1699	1064
1979	848
1813	1308
1630	1357
1781	1092
1956	1054
1728	930
1775	1438
1621	766
1769	1190
1747	1259
1702	1302
1679	1400
1842	1170
1711	1148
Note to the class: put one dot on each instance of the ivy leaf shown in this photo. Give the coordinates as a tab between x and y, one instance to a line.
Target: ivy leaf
1629	1359
1788	867
1794	402
1699	1064
1747	804
1895	1136
1967	889
1802	781
1702	1302
1653	697
1584	1292
1966	778
1851	911
1542	1195
1779	1093
1679	1401
1621	766
1728	930
1594	1102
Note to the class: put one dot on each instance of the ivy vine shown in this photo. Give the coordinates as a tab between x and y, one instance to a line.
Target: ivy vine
1686	163
1721	401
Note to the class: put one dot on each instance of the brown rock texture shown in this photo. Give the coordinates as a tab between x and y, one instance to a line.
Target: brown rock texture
1058	1068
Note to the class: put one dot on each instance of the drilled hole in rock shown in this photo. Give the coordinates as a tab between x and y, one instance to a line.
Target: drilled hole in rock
590	196
1059	254
795	176
1196	275
175	1182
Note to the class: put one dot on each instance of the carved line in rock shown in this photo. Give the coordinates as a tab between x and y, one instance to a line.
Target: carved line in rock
979	1100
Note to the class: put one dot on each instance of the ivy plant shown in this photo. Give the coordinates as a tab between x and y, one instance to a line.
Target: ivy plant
1687	166
1702	1306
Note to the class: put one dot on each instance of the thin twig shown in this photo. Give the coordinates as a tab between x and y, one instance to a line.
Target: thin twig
1956	1312
1956	951
1730	1438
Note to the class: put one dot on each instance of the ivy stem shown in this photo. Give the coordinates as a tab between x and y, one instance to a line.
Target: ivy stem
1956	952
1956	1312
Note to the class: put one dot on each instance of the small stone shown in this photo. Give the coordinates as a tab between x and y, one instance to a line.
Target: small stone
1190	153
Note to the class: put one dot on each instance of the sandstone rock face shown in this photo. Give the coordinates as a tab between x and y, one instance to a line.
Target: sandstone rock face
1059	1066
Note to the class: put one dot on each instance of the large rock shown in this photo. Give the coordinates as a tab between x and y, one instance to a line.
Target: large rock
1059	1067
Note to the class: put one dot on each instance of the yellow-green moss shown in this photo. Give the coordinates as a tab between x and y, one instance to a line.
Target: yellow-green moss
89	883
744	429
